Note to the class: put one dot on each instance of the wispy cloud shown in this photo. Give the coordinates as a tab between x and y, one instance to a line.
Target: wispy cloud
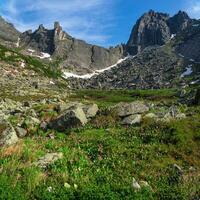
85	19
193	8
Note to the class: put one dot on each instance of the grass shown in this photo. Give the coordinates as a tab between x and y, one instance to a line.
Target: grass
50	70
107	98
101	159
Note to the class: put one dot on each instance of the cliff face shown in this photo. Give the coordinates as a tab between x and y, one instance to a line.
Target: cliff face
8	34
179	22
150	29
155	29
75	55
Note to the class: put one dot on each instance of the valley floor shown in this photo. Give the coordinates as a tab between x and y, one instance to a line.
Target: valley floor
104	159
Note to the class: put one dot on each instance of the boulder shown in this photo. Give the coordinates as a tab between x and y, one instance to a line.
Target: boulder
135	185
48	159
150	116
126	109
71	118
21	132
8	135
90	110
132	119
65	106
174	113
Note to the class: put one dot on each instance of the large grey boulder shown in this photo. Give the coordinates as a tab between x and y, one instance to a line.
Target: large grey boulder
21	132
126	109
8	135
174	113
132	119
90	110
71	118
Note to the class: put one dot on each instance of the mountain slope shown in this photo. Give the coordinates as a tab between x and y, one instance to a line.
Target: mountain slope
155	28
8	34
74	55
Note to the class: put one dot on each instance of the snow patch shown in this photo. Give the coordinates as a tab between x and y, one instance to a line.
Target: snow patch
173	36
194	82
187	72
31	50
67	75
71	75
44	55
181	55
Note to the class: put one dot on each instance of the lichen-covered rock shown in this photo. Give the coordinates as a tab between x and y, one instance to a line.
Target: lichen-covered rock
21	132
72	118
90	110
8	135
132	119
48	159
126	109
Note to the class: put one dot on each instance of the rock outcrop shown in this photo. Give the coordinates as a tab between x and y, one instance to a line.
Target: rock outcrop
48	159
75	55
151	29
8	34
8	135
71	118
155	28
179	22
154	68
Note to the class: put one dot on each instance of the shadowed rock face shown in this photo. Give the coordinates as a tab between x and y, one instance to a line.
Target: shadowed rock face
155	29
76	55
8	33
189	44
150	29
154	68
179	22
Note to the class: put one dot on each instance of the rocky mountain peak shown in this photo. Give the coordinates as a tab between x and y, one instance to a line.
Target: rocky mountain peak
59	33
8	34
179	22
41	27
155	28
151	29
57	25
182	14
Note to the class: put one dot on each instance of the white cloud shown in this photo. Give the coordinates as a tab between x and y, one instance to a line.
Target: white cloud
85	19
193	8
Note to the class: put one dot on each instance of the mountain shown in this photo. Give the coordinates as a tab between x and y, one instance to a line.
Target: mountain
8	34
162	51
166	54
74	55
155	28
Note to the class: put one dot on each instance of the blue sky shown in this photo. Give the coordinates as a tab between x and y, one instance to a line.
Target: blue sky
101	22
